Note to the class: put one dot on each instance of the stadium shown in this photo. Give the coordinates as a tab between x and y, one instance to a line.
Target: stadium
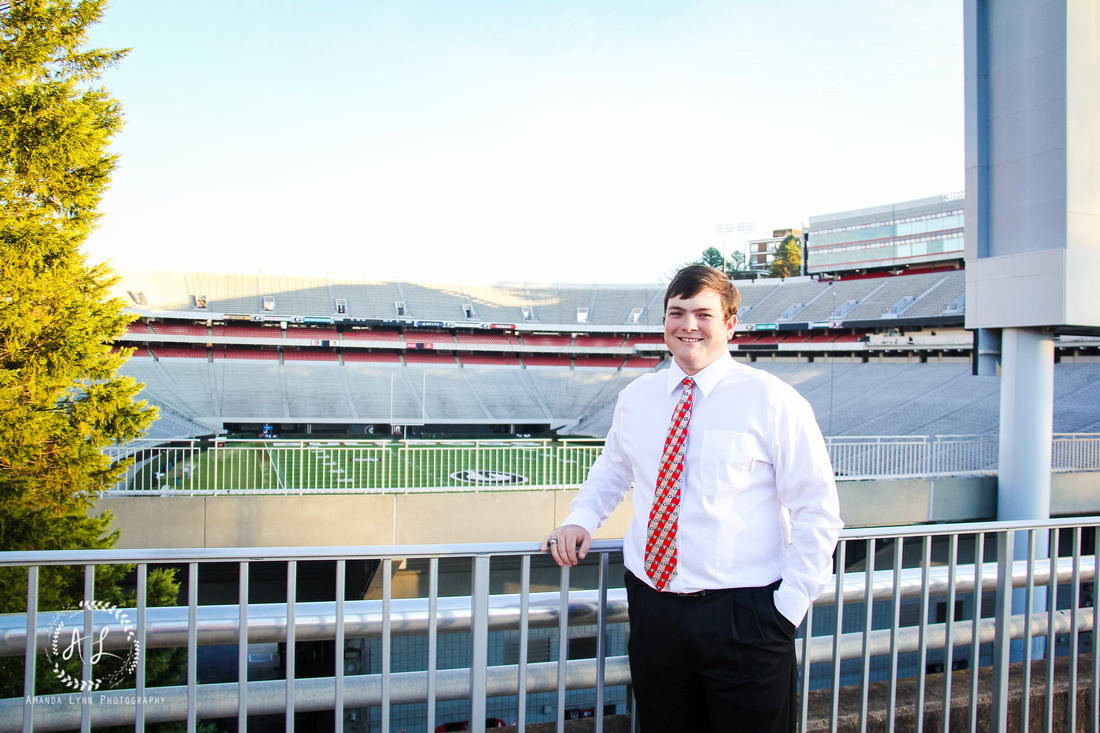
877	345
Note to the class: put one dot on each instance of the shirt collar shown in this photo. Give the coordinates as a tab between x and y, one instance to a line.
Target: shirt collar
705	379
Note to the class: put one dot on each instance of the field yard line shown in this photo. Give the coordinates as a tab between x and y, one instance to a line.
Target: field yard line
274	468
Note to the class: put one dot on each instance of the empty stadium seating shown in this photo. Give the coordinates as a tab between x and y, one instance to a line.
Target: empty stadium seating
309	355
311	333
604	362
429	357
486	337
373	335
763	301
533	340
598	341
178	352
548	361
178	329
849	398
488	360
382	357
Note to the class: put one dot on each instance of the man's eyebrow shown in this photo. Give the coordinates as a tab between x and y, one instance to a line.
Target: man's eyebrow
700	309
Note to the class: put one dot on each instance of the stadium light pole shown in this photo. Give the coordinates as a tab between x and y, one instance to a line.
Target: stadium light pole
745	228
723	230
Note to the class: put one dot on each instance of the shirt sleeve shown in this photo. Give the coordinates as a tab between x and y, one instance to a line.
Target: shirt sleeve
806	488
607	483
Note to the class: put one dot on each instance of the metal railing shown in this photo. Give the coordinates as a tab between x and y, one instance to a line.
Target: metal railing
908	603
382	466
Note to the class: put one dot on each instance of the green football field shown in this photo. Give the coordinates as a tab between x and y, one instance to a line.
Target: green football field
382	466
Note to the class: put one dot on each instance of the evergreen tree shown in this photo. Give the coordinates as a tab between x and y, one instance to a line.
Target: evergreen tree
788	257
734	266
61	401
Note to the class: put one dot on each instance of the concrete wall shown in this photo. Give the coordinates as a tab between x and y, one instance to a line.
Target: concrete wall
321	520
511	516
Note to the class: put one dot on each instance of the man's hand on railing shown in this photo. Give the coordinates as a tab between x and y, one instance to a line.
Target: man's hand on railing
568	544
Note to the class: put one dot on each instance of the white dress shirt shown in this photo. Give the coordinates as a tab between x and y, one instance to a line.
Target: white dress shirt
758	500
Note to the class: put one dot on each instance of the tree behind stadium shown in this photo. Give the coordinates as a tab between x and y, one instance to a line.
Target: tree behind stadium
60	399
788	258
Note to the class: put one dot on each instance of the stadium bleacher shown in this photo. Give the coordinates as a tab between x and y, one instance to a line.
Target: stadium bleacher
428	357
373	335
486	337
488	360
310	355
534	340
497	368
177	329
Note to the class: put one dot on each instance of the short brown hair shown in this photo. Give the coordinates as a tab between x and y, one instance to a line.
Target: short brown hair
694	279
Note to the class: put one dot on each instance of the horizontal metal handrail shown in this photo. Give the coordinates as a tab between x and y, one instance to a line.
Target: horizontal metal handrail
315	620
318	693
315	693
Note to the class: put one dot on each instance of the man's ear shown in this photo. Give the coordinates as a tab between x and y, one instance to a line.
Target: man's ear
730	327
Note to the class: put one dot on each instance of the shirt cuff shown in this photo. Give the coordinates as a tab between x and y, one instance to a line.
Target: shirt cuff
791	603
585	519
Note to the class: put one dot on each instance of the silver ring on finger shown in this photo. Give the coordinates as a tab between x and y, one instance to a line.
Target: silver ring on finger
552	541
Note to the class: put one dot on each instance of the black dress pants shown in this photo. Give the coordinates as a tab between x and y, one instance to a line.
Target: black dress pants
720	661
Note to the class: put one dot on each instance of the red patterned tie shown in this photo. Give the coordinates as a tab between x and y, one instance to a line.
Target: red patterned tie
660	546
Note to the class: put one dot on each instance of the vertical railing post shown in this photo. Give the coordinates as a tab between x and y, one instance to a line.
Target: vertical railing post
838	595
1095	694
922	656
338	682
949	629
86	677
192	646
524	616
601	641
433	637
479	641
31	653
895	626
1052	637
242	646
804	673
1002	638
976	629
291	656
1075	601
563	645
139	672
387	647
1028	610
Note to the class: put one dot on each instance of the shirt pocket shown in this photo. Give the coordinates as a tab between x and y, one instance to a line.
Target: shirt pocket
727	459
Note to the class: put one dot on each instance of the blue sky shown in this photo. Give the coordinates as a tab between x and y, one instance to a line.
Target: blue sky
545	141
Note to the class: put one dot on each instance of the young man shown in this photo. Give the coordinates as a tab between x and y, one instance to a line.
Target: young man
735	521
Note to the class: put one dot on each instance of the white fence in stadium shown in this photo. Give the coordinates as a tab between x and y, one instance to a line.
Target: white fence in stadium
191	467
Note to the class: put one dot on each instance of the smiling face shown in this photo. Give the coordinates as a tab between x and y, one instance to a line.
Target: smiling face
696	330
